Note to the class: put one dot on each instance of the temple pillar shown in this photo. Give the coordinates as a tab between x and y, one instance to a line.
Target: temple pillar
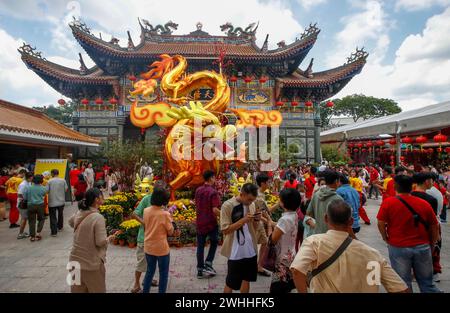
317	129
120	124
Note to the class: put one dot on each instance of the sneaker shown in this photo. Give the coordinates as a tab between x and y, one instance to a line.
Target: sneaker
436	278
53	235
26	234
201	274
209	269
14	226
22	236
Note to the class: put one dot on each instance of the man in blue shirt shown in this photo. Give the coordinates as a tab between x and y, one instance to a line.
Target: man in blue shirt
351	196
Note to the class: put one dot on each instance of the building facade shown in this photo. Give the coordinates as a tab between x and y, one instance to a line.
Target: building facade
259	78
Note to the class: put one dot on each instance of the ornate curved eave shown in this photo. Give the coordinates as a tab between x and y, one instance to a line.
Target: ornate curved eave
67	81
113	59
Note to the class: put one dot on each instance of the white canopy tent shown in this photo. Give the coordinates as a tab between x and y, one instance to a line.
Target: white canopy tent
429	118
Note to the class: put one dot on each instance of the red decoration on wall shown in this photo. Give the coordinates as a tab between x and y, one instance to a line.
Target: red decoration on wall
407	140
294	103
233	79
248	79
279	103
380	143
369	144
308	104
99	101
421	139
113	101
61	102
440	138
330	104
263	79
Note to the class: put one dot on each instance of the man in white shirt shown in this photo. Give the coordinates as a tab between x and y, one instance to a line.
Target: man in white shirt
89	176
239	224
23	212
57	188
359	269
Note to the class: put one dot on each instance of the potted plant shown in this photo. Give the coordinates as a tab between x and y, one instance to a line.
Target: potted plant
121	237
130	229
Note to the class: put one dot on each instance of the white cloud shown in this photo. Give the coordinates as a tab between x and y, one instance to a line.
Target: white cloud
417	5
419	75
18	83
308	4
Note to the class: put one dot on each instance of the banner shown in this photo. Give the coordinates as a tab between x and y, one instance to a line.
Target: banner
62	165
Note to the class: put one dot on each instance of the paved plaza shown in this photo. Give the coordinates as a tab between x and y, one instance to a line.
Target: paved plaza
41	266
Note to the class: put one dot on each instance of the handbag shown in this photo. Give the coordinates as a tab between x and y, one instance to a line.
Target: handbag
23	205
269	256
311	274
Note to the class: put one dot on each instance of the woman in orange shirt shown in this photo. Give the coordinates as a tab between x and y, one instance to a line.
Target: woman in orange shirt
12	188
157	225
357	183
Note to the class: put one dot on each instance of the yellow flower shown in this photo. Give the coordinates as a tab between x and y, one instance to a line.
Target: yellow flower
130	224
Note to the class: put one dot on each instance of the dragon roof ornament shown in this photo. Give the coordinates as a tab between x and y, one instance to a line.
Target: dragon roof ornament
358	55
166	29
27	49
232	31
311	30
80	25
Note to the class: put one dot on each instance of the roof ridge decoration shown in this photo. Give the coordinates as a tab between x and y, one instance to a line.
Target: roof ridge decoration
78	23
27	49
358	55
232	31
166	29
311	30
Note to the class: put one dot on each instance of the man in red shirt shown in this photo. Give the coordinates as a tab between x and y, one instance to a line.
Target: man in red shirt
310	182
207	203
73	175
410	227
374	176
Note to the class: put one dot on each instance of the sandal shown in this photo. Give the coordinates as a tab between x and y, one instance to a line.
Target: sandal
264	273
136	290
38	237
32	239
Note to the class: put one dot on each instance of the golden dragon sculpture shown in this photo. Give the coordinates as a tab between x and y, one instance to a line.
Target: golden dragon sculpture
177	86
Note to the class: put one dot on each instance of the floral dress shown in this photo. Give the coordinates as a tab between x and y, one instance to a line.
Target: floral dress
288	224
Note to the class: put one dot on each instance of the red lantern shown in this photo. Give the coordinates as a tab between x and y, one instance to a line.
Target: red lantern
99	101
392	163
430	151
61	102
447	150
330	104
132	78
392	157
402	158
84	101
407	140
113	101
355	150
247	79
377	149
421	139
439	149
359	145
233	79
392	142
263	79
364	150
350	145
380	143
279	103
294	103
369	144
440	138
308	104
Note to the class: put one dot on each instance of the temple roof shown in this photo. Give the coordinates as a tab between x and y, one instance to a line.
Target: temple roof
55	74
239	47
300	78
19	123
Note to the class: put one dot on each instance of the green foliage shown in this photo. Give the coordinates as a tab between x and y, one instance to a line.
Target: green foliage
359	107
333	155
129	156
61	114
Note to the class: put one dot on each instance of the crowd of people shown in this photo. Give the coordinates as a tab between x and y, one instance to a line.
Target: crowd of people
312	247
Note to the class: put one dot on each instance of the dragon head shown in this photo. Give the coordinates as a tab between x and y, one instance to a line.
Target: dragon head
159	68
172	25
226	26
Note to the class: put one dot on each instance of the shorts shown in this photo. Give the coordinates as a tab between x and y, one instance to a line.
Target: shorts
23	213
240	270
141	265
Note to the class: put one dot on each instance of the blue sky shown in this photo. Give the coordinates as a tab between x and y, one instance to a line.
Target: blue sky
408	40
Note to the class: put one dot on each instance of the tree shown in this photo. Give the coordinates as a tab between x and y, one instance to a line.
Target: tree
62	114
359	107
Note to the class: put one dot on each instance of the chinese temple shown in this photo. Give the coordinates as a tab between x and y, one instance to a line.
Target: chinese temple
260	78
